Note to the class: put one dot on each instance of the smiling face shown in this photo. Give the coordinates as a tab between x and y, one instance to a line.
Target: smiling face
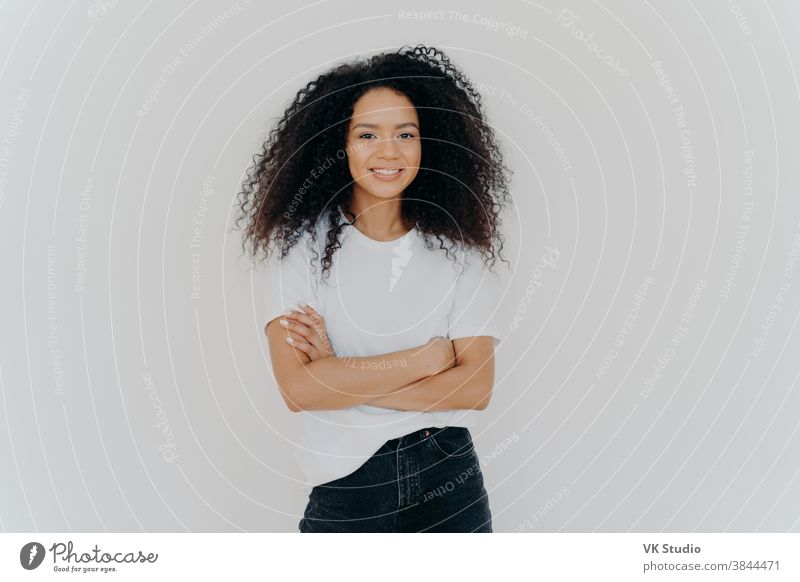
383	144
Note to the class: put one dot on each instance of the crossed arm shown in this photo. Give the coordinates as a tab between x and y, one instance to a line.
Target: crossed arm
312	377
468	384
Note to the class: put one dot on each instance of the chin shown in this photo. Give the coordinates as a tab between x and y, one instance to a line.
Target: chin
392	192
387	194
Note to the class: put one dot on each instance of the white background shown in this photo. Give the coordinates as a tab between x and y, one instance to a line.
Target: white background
129	404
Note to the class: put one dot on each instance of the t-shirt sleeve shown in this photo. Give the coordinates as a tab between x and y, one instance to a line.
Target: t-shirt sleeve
477	295
290	281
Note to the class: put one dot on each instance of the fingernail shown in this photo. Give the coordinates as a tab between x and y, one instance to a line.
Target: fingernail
289	340
284	322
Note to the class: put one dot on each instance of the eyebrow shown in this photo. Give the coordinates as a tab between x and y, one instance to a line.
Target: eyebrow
398	126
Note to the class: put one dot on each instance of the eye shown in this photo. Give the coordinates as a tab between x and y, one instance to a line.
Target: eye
410	135
363	134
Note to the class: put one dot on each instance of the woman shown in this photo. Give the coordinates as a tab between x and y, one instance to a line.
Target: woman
380	341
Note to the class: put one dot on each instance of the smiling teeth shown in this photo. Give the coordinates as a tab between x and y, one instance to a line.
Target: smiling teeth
386	172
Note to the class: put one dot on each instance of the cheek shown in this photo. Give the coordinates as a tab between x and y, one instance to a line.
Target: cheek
357	156
414	155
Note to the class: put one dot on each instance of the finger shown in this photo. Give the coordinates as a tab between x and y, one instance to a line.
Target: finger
310	347
312	322
301	317
325	345
298	328
300	345
311	336
310	311
298	337
306	309
316	320
312	352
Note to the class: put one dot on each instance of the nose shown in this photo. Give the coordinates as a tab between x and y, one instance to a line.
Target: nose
387	148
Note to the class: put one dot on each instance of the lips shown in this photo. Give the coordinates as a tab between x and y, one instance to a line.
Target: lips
386	171
385	174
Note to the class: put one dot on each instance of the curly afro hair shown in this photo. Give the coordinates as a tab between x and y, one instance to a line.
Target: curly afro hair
301	177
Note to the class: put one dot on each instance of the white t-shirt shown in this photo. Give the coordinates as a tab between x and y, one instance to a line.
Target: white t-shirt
379	297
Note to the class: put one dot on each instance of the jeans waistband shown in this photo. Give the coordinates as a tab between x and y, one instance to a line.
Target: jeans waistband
412	438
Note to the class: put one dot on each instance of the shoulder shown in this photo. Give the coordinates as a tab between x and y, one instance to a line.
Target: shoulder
473	268
301	245
466	258
447	250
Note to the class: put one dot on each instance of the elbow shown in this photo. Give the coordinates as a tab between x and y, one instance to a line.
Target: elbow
291	393
290	400
483	397
293	406
301	396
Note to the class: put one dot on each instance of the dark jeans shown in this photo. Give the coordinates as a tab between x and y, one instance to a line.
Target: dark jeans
426	481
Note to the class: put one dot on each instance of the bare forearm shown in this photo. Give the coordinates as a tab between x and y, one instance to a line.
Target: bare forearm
342	382
460	387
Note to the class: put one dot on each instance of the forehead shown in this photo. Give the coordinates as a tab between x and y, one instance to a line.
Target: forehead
384	104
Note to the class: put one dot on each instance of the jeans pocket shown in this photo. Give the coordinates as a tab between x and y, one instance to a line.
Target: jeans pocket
454	442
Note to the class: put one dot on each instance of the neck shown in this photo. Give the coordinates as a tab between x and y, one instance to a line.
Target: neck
379	218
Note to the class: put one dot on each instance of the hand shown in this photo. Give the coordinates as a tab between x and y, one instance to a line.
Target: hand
307	331
440	353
